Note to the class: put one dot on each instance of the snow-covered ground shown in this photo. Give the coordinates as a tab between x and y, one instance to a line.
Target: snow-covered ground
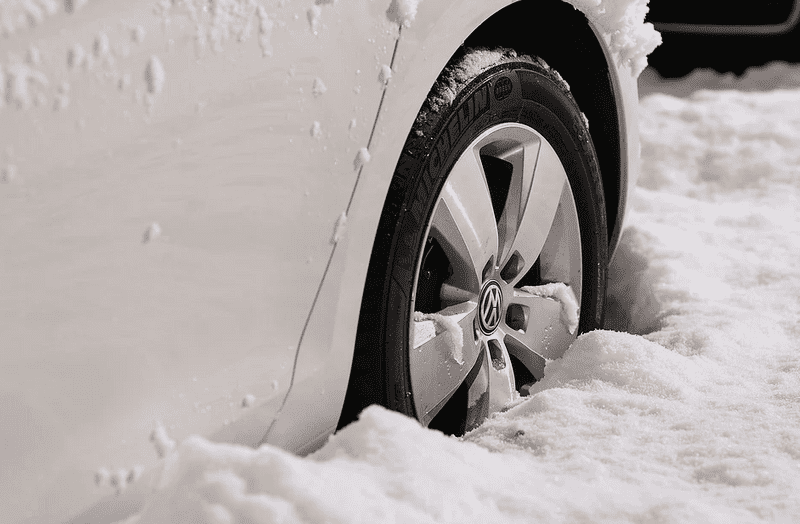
686	410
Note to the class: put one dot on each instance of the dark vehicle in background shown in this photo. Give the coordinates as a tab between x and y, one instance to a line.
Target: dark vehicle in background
726	36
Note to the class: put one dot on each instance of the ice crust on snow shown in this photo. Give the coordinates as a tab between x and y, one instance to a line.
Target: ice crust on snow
564	295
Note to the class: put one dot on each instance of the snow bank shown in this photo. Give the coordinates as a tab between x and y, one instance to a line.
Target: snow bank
775	75
724	140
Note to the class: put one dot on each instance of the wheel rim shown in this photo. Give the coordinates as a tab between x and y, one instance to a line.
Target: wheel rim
505	223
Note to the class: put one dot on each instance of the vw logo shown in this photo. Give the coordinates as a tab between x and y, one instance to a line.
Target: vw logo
490	307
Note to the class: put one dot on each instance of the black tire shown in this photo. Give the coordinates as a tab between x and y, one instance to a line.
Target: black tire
486	105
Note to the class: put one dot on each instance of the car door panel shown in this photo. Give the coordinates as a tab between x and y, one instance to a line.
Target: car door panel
162	236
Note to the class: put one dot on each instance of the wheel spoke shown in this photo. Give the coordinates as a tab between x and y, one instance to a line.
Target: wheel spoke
536	216
501	375
534	329
464	222
439	362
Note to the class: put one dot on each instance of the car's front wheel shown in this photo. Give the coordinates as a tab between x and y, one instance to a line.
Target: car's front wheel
491	252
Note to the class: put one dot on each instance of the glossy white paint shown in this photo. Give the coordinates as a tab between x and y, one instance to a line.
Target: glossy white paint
107	329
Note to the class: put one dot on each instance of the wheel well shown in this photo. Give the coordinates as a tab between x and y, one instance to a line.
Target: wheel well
570	47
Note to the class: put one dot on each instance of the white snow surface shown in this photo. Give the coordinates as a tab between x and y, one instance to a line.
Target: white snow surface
690	416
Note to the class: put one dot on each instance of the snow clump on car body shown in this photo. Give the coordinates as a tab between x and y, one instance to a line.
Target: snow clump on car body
402	12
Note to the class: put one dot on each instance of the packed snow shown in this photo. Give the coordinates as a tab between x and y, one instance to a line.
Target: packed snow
684	410
428	325
564	295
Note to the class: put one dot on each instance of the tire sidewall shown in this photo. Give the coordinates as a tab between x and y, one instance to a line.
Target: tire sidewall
516	91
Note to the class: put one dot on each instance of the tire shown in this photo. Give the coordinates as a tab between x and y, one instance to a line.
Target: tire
497	189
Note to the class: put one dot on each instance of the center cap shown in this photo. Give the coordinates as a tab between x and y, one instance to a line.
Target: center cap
490	306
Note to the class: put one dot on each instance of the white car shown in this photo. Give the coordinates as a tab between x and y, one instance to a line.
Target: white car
250	219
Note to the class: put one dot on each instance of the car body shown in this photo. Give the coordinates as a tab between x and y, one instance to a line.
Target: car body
723	35
190	194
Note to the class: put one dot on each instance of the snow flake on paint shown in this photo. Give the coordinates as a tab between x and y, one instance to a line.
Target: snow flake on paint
385	74
318	88
265	26
71	6
34	56
61	100
8	173
161	441
152	232
339	228
23	14
137	34
314	15
118	479
76	56
316	130
248	401
362	157
124	81
22	83
154	75
101	46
